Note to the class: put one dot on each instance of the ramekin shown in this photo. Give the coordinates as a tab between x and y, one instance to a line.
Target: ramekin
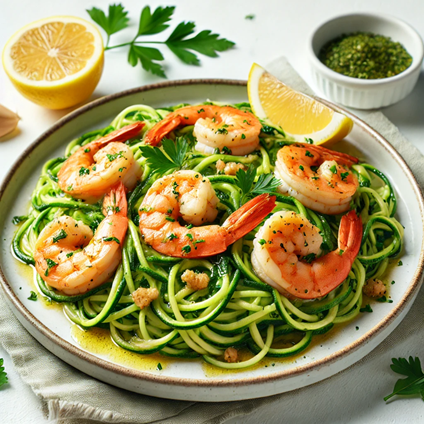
362	93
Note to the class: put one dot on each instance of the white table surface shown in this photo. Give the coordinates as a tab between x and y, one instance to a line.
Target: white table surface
279	28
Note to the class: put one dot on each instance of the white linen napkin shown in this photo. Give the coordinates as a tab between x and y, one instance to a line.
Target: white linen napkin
72	397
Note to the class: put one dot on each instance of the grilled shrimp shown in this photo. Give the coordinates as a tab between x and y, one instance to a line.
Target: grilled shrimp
93	169
284	247
328	188
188	196
69	258
215	127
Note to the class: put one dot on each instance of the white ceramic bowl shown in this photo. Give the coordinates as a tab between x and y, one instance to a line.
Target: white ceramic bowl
361	93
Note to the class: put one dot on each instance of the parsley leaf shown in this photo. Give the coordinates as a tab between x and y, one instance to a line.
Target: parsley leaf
205	43
146	56
156	22
179	42
111	239
33	296
245	180
3	375
60	235
172	160
114	22
266	183
414	381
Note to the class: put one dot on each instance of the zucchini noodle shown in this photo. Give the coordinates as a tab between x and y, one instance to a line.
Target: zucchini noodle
237	309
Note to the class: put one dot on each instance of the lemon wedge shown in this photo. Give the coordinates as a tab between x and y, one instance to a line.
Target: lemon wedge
55	62
300	116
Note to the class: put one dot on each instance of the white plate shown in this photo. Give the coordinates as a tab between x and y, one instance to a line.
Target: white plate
190	380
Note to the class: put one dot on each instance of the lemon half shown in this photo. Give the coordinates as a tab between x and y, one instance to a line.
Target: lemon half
299	115
55	62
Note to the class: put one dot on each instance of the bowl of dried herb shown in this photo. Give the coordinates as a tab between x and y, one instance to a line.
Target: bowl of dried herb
364	60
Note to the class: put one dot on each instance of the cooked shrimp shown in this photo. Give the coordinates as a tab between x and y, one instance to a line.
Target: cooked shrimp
286	238
93	169
188	196
69	258
327	189
215	127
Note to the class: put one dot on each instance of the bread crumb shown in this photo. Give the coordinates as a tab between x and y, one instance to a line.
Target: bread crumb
231	354
143	297
195	281
374	288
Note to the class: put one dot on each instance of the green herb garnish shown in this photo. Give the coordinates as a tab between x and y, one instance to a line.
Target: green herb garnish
114	156
3	374
413	384
50	264
186	249
344	175
365	55
366	308
333	169
159	366
111	239
171	161
83	171
60	235
205	42
33	296
262	242
309	154
266	183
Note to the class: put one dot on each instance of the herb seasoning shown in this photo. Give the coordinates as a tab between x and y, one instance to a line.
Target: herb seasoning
365	55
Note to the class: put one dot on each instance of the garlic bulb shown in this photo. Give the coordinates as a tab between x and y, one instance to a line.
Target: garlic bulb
8	120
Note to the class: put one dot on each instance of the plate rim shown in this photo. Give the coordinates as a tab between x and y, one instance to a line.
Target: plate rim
124	371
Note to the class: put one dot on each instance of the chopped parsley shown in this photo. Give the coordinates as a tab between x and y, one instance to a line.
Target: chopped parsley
186	249
344	175
33	296
309	140
200	110
221	131
243	136
172	236
169	218
159	367
309	154
400	263
114	156
333	169
3	374
87	150
50	264
249	17
341	252
61	235
83	171
189	226
301	167
189	236
366	308
111	239
226	150
262	242
309	258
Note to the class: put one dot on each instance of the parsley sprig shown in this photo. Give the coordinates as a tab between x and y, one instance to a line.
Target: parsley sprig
171	160
413	384
245	180
3	374
179	42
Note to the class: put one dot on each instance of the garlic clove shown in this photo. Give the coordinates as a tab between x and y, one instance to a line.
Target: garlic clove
8	120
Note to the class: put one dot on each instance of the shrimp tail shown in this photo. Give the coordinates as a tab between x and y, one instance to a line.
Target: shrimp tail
350	234
164	127
115	202
248	217
120	135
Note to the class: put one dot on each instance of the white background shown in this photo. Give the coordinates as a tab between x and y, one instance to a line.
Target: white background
279	28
